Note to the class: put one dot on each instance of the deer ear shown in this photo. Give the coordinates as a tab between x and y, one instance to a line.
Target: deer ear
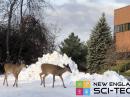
64	65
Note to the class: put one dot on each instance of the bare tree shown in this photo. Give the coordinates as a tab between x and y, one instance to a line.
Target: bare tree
111	56
9	27
24	31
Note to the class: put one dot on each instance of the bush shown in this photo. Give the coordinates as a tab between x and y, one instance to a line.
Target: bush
121	67
125	67
127	73
74	48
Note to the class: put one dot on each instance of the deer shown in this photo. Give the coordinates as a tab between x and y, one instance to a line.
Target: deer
55	70
14	69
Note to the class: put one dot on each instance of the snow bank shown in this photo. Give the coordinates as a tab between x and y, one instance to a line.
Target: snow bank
108	76
32	72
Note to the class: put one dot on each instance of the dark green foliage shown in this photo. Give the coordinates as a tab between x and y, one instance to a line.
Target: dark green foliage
23	34
32	41
125	67
76	50
100	41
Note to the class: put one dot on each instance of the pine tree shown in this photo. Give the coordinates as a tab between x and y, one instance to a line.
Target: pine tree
99	42
75	49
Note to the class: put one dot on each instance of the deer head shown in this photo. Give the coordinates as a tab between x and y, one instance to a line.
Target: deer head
67	68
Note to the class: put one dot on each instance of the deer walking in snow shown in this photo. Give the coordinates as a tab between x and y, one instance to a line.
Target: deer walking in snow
15	69
55	71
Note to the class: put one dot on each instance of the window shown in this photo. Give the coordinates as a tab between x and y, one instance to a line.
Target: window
115	28
122	27
128	26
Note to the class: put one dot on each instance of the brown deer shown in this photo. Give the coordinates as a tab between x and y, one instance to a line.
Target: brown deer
15	69
55	71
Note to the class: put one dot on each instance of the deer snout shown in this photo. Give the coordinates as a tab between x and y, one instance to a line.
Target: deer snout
70	71
26	66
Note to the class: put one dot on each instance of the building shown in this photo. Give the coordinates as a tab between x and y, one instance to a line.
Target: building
122	29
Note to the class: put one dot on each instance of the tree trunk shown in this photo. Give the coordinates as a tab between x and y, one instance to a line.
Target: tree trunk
8	30
21	26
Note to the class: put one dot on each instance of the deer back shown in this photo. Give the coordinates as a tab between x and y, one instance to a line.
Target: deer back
12	68
51	69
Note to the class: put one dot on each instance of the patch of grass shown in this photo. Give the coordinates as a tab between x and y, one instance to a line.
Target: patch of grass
123	61
122	68
127	73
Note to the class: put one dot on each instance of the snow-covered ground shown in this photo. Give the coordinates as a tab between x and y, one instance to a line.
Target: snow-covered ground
35	90
29	80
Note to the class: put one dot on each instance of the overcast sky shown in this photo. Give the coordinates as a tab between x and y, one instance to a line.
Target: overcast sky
80	16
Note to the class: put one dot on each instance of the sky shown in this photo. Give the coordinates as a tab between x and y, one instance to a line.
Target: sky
80	16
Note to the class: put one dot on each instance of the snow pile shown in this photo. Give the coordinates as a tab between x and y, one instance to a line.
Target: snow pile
32	72
57	59
108	76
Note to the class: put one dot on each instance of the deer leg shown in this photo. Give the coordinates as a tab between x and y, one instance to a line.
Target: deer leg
5	79
62	81
17	80
53	80
41	77
6	82
44	79
14	82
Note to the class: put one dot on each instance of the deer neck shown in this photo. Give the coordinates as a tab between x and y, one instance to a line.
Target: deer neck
63	70
21	67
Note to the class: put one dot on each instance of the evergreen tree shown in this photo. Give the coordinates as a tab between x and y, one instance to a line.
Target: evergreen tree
76	50
100	41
